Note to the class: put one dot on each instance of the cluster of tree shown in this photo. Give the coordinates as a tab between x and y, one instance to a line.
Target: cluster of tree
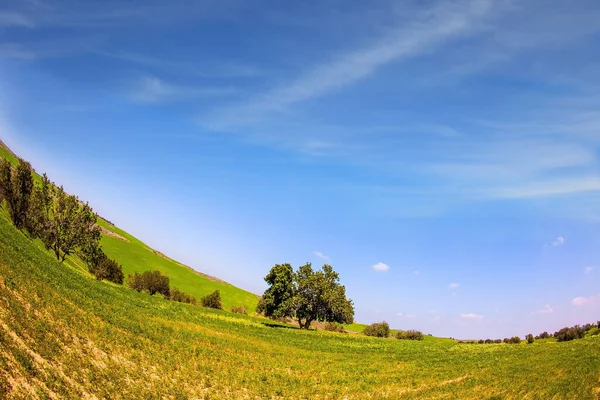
410	334
572	332
61	221
306	295
378	329
182	297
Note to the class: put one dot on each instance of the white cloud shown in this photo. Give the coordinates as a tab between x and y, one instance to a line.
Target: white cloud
558	242
416	272
453	285
471	316
381	267
588	270
546	310
321	255
399	314
583	301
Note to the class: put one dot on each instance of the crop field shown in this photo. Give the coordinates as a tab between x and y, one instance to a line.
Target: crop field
65	335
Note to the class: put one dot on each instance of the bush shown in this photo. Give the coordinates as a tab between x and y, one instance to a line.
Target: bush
333	327
409	335
152	281
239	310
212	300
489	341
498	341
514	340
530	338
544	335
103	267
378	329
182	297
260	307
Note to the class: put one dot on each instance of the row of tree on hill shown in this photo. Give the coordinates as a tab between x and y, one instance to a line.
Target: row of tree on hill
563	335
67	226
306	295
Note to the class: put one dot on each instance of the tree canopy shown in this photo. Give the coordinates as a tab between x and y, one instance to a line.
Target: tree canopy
307	295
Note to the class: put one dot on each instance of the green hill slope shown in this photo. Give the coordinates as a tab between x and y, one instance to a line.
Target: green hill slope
66	335
136	256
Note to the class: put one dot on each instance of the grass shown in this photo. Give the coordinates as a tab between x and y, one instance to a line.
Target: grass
66	335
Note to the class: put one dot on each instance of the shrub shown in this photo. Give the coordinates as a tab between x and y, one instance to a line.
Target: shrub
108	269
333	327
260	307
212	300
410	335
378	329
544	335
488	341
239	310
182	297
498	341
514	340
152	281
530	338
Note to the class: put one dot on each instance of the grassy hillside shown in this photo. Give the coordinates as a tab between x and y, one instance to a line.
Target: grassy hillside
66	335
136	256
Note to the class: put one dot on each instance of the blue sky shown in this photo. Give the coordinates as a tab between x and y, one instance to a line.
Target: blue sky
442	156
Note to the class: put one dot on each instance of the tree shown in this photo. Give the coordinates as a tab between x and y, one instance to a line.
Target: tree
307	295
16	187
278	298
319	296
103	267
152	281
212	300
529	338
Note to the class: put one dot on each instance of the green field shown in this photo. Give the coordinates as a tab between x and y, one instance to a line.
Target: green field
65	335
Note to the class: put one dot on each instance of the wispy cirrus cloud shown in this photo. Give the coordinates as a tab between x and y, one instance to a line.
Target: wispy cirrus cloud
11	19
588	270
432	28
150	89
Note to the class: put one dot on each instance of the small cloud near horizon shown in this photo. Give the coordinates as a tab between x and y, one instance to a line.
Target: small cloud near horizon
380	267
453	285
584	301
558	242
587	270
471	316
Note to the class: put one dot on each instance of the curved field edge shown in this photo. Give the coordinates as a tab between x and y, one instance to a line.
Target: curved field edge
65	335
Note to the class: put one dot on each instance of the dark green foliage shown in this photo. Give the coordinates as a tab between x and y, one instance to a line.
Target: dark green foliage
572	333
319	296
378	329
212	300
409	335
529	338
306	295
16	187
278	299
108	269
333	327
544	335
152	281
182	297
239	310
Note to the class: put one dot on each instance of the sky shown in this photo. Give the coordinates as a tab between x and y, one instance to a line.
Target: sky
442	156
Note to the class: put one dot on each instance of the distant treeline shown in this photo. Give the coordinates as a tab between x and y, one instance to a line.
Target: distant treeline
563	335
67	226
